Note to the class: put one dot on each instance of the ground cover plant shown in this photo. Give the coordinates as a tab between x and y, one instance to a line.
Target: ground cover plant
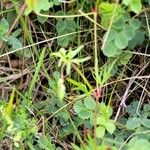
74	75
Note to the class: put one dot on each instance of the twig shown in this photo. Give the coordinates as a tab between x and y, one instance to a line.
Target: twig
126	92
141	99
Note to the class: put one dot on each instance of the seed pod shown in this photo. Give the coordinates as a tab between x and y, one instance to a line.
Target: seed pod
61	89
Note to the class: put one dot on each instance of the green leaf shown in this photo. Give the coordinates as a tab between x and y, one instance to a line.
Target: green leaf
125	57
105	111
100	132
60	53
138	39
147	107
84	113
26	54
138	144
89	103
105	73
81	110
110	126
56	2
36	73
129	32
16	44
135	23
110	49
73	53
31	147
41	19
106	7
4	37
121	41
101	121
107	11
133	123
131	109
65	27
45	143
16	32
4	26
145	122
45	5
119	24
111	36
37	6
136	5
78	106
126	2
79	85
80	60
63	41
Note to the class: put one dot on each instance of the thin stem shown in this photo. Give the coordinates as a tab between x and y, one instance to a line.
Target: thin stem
89	18
63	16
96	74
41	42
95	123
83	77
95	47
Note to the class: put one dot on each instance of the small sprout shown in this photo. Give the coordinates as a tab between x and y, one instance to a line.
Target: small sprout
66	58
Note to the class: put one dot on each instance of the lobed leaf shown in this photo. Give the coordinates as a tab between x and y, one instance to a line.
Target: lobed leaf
121	41
133	123
110	126
100	132
89	103
110	49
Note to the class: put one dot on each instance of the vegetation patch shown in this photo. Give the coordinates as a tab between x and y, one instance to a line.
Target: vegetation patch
74	75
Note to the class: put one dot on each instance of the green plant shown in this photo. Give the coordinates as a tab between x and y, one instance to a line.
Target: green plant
119	39
107	10
67	58
91	145
136	144
105	73
12	39
104	123
135	121
135	5
37	6
91	97
18	125
45	143
85	110
64	27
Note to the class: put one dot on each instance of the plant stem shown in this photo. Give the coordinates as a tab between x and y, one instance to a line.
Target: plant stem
95	48
83	77
96	74
95	123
